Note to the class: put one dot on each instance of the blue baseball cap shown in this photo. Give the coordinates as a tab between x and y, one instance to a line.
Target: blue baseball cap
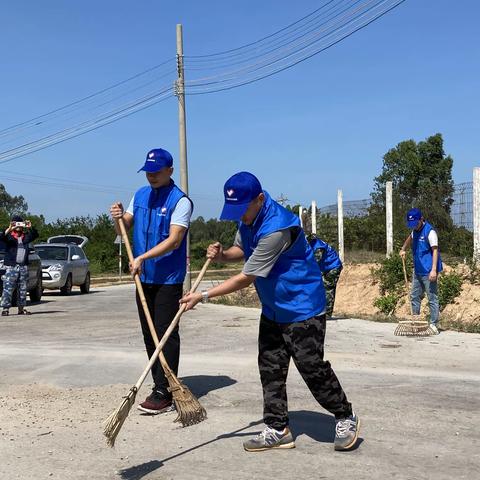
157	159
239	190
413	216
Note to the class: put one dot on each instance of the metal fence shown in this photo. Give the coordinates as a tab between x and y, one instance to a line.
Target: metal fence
461	211
462	207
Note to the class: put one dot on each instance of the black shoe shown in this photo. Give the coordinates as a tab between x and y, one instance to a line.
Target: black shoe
5	312
23	311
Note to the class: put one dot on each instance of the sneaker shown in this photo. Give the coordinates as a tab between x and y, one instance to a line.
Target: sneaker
268	439
157	403
346	432
23	311
5	312
434	329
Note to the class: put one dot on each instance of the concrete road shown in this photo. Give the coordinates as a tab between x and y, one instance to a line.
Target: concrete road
65	368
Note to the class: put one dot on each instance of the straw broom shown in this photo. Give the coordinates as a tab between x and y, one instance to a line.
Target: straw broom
413	328
189	409
193	414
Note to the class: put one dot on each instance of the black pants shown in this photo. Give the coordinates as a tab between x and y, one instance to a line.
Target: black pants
302	341
163	303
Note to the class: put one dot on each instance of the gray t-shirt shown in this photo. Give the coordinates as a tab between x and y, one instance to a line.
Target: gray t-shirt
266	253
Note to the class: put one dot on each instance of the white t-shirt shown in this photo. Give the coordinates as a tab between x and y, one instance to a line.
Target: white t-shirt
180	215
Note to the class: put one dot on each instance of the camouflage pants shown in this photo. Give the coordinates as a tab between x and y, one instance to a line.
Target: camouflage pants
330	280
16	275
302	341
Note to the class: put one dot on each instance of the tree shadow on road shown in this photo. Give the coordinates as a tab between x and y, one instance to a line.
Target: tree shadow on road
201	385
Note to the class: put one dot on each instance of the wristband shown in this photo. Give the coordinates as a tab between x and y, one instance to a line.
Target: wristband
205	296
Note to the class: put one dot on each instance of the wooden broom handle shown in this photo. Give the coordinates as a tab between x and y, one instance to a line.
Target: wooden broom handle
138	283
172	326
406	283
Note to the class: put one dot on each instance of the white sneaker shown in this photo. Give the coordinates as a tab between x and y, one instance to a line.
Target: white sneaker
434	329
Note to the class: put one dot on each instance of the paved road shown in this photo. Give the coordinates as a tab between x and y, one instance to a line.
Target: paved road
65	368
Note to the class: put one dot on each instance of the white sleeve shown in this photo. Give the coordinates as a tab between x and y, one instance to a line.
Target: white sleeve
182	213
433	238
130	207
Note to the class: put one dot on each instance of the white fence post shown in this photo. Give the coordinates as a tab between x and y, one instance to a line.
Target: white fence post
300	215
476	213
314	216
341	251
389	217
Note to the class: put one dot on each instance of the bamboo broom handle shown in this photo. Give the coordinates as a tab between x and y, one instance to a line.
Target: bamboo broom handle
406	283
138	283
171	327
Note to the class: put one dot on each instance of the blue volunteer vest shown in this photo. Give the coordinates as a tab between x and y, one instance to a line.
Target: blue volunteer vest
152	212
293	290
330	258
422	252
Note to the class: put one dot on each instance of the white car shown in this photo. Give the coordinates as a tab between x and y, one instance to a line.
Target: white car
64	263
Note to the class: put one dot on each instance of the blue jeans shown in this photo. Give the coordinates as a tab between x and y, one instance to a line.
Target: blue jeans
420	285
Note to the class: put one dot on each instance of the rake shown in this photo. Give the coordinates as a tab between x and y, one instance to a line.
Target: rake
412	328
189	409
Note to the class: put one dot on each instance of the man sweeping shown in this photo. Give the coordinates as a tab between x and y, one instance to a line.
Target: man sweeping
279	261
160	216
427	264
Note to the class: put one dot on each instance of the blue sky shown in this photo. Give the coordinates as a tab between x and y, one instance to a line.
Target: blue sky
322	125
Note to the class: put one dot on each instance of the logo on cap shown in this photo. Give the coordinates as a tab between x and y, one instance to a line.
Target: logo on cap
230	192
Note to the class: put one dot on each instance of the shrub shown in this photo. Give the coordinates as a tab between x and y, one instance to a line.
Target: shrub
449	287
387	304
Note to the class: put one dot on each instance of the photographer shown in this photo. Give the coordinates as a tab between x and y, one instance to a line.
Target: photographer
17	238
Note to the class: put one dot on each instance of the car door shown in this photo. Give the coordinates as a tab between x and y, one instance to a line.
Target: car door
76	262
84	264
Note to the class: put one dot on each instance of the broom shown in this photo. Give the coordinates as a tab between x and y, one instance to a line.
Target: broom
193	413
414	328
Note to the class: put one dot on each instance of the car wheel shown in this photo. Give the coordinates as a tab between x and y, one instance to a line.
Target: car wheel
36	293
85	286
67	288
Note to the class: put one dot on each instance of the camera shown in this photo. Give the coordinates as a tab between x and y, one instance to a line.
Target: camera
20	224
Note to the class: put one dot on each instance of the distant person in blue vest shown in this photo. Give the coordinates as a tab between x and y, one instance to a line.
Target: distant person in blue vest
160	215
279	261
330	266
427	264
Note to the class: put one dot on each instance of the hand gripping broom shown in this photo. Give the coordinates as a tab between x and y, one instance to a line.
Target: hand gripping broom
414	328
189	409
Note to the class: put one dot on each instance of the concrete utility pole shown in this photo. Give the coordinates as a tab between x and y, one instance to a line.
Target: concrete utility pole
389	217
182	135
300	214
341	250
314	216
476	214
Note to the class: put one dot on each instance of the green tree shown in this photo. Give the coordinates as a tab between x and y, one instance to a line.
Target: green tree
421	174
10	205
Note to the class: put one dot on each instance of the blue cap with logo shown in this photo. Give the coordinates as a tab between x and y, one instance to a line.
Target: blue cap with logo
413	216
157	159
239	190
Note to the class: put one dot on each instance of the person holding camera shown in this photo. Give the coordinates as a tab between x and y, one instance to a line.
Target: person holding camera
17	238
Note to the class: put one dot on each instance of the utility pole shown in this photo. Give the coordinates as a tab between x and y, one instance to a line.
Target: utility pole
182	136
476	214
341	249
314	217
389	217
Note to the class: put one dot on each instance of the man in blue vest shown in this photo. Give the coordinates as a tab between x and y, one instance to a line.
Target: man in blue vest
330	266
279	261
427	264
160	215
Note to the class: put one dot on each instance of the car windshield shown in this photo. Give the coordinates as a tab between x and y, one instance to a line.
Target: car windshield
52	253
